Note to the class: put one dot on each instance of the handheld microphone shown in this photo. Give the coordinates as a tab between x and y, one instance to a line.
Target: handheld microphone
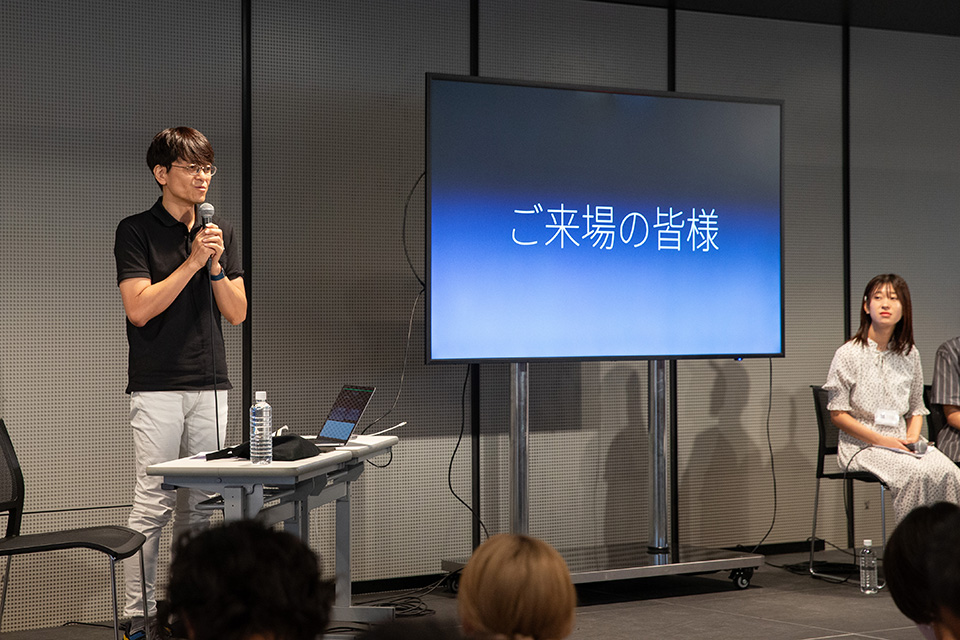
206	217
206	213
919	447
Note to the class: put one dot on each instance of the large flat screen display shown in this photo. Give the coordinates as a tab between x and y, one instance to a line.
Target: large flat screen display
594	223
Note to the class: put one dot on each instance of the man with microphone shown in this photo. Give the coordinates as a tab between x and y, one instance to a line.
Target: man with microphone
177	275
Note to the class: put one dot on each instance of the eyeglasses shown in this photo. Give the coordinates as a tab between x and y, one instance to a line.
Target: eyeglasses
195	170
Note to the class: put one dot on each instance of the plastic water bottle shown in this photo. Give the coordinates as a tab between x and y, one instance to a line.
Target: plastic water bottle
261	430
868	569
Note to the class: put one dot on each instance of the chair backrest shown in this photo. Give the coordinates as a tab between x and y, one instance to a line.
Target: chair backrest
11	483
937	420
828	432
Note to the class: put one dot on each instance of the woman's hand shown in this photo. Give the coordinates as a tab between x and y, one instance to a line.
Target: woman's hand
897	443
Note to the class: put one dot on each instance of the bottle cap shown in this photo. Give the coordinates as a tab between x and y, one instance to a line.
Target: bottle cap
260	395
868	543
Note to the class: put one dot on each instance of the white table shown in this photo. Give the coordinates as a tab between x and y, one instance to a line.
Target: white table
294	489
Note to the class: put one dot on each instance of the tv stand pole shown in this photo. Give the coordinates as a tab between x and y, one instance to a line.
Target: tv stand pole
656	434
519	448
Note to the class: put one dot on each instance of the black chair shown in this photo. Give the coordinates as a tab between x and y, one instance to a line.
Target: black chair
116	542
829	438
937	420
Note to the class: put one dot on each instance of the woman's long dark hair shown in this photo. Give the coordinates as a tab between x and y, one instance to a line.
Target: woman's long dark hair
902	340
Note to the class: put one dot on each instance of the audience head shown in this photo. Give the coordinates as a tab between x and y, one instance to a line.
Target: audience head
242	581
891	284
517	586
922	568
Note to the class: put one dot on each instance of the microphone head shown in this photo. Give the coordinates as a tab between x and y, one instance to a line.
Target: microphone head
206	213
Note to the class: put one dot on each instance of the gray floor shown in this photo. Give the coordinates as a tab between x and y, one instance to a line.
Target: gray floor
778	604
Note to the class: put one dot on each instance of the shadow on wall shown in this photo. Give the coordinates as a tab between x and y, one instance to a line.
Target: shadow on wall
799	449
626	472
722	467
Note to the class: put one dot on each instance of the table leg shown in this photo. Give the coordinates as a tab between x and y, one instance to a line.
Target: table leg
342	611
241	503
342	538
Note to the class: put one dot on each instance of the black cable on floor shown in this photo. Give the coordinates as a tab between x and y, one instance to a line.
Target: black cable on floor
409	604
77	623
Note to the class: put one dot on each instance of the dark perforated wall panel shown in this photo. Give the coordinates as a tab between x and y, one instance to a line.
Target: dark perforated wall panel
726	490
905	170
338	146
85	88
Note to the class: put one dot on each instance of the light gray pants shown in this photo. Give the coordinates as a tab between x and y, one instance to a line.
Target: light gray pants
166	425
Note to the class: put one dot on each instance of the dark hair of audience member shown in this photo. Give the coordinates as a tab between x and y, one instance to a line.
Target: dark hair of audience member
517	586
241	581
922	563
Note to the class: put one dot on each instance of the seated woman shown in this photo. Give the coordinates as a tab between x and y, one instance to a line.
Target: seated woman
516	587
876	400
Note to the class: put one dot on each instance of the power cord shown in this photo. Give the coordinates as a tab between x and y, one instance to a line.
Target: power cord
342	630
773	472
463	422
77	623
406	349
403	231
403	372
409	604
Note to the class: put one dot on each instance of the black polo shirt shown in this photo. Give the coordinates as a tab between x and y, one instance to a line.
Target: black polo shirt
174	351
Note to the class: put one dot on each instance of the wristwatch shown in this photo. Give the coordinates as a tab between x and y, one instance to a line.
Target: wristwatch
219	276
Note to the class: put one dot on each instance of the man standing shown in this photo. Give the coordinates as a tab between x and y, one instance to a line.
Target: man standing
946	392
176	278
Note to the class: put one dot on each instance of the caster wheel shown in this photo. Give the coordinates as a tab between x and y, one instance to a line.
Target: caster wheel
741	577
453	583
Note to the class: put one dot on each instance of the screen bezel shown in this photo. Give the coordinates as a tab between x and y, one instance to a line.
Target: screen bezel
429	358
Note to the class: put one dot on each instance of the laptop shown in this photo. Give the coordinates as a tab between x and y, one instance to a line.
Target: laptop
344	416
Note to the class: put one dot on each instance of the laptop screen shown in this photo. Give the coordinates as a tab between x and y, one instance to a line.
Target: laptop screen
346	411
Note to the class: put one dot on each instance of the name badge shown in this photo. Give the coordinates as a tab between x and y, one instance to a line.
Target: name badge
886	418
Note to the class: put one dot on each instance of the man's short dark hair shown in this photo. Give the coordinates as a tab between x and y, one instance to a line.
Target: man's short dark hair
232	581
179	143
922	562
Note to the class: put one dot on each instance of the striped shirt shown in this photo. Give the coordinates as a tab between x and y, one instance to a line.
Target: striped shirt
946	390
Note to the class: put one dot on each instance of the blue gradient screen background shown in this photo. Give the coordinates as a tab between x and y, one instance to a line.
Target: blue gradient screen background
501	286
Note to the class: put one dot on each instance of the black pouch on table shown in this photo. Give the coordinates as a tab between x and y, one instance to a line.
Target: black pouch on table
285	447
